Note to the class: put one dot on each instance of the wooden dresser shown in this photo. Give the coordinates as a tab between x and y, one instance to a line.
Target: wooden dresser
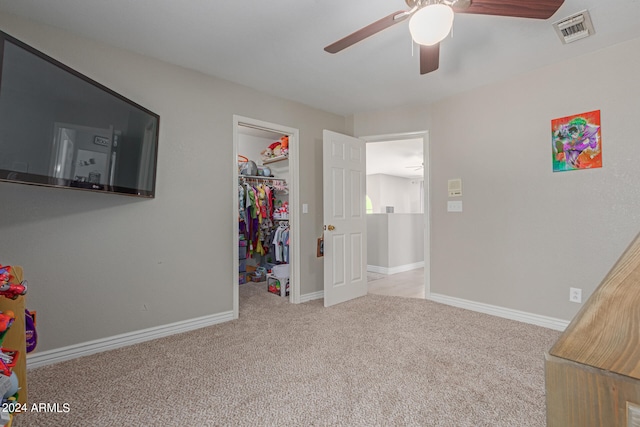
592	372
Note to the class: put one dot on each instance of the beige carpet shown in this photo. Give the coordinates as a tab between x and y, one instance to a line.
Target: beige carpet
374	361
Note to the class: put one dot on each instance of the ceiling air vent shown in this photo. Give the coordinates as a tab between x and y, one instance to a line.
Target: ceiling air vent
574	27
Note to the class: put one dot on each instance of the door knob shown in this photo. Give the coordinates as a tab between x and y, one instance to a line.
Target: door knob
331	227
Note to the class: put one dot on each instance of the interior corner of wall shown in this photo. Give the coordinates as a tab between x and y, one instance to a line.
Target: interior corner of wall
350	124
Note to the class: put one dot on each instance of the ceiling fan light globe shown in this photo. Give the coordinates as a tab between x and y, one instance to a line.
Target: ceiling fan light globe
431	24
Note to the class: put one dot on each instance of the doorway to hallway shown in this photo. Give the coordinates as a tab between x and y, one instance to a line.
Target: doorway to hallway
398	214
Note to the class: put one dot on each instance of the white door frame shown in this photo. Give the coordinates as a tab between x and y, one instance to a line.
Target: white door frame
426	196
294	214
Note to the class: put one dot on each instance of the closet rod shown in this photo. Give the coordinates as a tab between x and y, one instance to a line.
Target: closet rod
261	178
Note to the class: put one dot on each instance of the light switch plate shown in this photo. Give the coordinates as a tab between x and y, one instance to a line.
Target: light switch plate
454	206
305	208
633	415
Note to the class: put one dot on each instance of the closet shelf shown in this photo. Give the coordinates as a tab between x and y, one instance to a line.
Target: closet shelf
275	159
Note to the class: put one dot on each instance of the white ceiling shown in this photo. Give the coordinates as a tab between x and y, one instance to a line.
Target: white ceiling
398	158
276	46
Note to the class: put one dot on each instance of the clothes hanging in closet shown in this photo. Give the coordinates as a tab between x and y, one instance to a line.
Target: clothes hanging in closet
280	243
256	208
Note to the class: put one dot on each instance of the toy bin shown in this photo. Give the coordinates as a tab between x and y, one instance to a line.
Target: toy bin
281	271
274	286
278	280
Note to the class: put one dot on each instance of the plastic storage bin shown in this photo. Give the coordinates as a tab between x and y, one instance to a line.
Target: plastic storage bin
278	280
274	285
281	271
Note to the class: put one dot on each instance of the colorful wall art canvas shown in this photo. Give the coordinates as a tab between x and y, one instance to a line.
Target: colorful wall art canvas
577	142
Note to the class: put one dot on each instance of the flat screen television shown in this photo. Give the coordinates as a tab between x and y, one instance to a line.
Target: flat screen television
60	128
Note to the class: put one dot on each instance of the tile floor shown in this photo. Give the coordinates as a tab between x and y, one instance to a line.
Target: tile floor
409	284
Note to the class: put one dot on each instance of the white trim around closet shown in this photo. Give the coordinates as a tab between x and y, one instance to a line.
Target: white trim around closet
294	209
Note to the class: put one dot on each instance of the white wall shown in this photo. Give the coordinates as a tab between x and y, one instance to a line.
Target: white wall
406	240
527	234
92	259
394	242
378	240
387	190
251	146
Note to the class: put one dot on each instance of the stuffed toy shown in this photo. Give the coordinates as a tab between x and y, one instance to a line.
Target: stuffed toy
267	153
5	275
276	148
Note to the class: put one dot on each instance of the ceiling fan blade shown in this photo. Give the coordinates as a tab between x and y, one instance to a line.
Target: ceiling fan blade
367	31
536	9
429	58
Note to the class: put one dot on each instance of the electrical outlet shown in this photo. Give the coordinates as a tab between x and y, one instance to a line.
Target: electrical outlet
575	295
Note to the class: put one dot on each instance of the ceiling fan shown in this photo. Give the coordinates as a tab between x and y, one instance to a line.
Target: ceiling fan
416	167
430	22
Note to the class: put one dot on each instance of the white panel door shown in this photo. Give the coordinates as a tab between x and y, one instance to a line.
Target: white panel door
345	237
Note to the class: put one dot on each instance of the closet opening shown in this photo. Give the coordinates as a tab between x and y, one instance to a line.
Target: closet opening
265	200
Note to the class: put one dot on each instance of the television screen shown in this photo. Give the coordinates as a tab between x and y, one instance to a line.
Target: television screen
59	128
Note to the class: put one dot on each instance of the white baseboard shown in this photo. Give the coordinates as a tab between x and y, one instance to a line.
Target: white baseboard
507	313
312	296
394	270
56	355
